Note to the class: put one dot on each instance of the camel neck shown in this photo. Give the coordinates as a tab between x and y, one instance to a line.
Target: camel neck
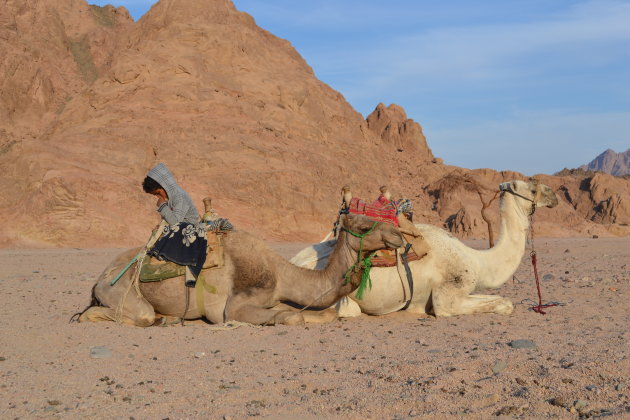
319	288
503	259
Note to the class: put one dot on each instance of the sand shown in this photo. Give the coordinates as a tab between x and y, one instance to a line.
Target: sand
391	367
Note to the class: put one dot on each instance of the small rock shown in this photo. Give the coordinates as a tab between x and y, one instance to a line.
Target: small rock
100	352
580	404
521	381
548	277
53	402
324	340
595	236
2	359
490	400
499	367
591	387
566	251
522	344
560	402
620	387
507	411
199	354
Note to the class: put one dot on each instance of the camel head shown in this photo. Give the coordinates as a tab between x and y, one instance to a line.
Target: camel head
531	192
379	236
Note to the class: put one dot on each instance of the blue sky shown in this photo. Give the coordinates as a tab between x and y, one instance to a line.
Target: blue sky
526	85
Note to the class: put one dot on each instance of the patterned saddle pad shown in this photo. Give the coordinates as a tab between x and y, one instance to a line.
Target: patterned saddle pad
380	211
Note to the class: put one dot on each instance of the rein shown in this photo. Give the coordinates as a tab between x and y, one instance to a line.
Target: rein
365	263
536	308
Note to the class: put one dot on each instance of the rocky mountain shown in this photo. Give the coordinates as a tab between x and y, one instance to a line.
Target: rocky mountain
610	162
92	100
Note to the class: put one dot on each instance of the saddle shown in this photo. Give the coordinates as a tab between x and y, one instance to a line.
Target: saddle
382	210
388	257
386	211
155	270
216	227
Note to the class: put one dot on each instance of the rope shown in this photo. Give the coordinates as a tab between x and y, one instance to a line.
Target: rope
536	308
135	283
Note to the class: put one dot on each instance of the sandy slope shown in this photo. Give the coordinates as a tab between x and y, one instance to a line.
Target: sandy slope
397	366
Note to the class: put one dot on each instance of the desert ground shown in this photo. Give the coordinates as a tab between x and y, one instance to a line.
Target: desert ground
575	361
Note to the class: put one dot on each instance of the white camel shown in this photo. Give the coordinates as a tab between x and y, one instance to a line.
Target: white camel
445	278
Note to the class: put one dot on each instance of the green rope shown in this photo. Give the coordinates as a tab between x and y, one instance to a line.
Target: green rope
365	264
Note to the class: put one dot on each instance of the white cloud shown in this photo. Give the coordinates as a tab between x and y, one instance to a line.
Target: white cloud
589	35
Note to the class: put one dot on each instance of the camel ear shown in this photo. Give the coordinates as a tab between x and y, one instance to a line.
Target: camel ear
505	186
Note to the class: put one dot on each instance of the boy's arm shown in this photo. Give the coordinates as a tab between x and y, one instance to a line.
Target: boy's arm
175	214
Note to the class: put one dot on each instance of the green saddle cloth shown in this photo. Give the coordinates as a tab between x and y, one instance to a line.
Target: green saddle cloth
155	270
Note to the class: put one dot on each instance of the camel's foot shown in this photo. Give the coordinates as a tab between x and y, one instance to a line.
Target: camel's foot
166	320
504	307
288	318
320	317
450	305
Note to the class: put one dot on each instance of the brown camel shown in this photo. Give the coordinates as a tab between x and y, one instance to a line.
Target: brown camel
253	280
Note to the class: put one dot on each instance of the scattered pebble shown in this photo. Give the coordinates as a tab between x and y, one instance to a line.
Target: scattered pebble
499	367
548	277
100	352
580	404
199	354
560	402
522	344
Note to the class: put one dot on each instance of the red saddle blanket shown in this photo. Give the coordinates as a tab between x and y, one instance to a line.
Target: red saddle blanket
382	210
387	258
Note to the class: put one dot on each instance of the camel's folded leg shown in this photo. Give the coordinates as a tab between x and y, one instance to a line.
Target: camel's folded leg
135	311
255	310
314	316
451	302
102	313
256	315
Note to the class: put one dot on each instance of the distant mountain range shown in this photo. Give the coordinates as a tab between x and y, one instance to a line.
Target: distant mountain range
610	162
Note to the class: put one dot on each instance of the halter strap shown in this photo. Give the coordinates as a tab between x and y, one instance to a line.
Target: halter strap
366	263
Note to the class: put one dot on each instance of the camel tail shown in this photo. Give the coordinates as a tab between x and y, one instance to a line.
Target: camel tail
93	302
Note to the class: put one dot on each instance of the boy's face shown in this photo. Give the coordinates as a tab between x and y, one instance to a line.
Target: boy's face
160	193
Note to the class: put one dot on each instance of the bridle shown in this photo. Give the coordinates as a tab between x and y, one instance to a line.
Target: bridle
506	187
365	263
